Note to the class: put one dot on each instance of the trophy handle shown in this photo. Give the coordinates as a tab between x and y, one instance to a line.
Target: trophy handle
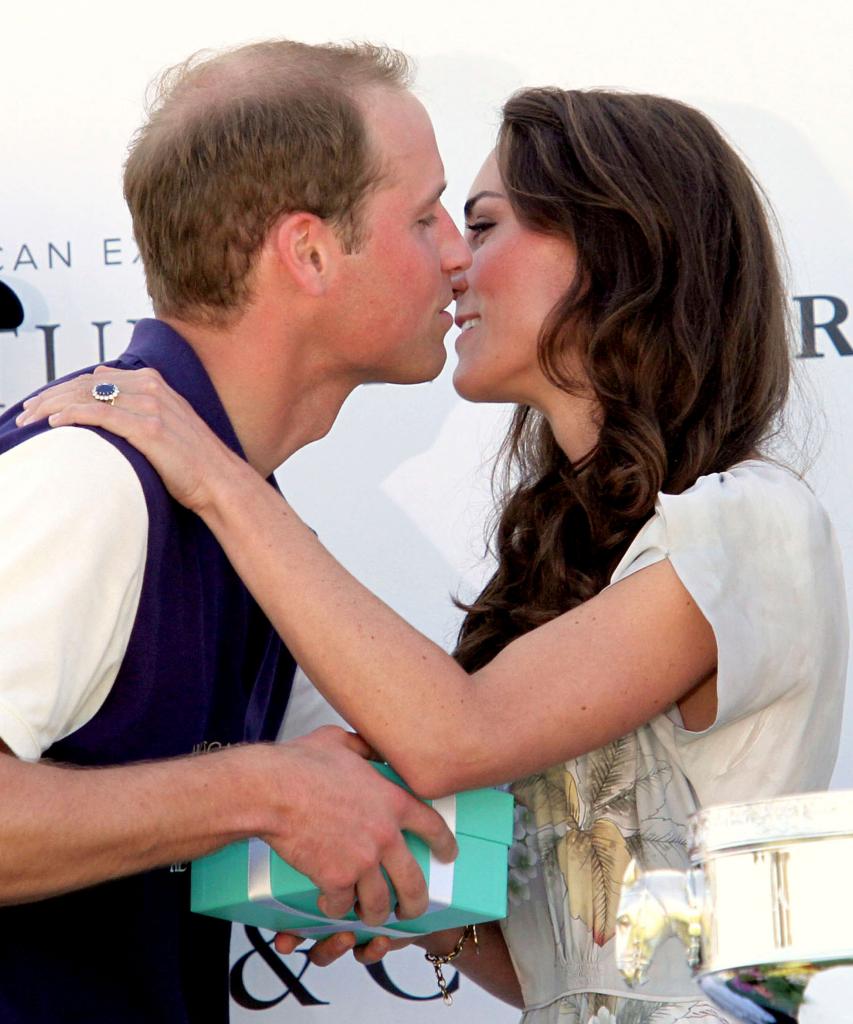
653	906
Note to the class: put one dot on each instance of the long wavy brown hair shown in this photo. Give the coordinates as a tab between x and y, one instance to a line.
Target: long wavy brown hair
678	315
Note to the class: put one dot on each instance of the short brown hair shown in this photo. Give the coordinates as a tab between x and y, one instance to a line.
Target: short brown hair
235	140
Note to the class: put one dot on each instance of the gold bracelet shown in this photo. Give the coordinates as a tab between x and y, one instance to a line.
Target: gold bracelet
438	960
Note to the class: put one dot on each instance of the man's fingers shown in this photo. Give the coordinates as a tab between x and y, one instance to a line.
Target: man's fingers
369	752
374	898
403	869
336	903
431	827
408	881
351	740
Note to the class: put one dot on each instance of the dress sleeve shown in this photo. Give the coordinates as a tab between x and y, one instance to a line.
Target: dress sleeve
74	524
756	551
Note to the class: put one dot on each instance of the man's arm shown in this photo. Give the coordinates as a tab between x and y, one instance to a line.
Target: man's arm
318	803
65	828
74	524
74	529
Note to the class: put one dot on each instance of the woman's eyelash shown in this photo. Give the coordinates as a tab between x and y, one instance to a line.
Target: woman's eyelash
480	226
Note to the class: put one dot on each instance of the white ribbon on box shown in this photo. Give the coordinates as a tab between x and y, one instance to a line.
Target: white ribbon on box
440	887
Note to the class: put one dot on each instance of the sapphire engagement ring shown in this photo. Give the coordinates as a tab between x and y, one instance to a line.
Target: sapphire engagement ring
106	393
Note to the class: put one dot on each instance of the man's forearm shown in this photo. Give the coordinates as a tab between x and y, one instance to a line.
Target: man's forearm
65	828
315	800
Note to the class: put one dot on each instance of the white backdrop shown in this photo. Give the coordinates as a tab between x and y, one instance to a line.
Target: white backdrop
399	489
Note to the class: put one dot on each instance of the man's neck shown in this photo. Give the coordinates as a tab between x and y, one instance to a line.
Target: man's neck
276	405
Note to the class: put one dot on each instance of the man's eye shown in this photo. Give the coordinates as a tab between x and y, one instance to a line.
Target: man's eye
428	221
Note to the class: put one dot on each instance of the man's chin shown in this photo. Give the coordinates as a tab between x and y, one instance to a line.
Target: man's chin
421	372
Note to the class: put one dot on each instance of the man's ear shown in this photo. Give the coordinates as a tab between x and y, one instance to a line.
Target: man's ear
306	248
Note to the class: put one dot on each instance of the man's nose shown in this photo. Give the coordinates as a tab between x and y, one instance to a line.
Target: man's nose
456	256
459	283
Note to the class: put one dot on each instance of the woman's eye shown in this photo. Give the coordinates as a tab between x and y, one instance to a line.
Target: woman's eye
479	228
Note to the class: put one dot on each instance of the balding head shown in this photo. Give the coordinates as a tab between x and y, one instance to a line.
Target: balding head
235	140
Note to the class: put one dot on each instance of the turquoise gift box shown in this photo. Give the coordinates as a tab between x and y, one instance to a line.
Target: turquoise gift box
246	882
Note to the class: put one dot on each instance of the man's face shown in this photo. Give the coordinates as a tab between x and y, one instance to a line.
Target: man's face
392	294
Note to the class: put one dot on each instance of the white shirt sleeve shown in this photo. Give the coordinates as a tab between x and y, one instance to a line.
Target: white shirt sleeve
307	709
73	541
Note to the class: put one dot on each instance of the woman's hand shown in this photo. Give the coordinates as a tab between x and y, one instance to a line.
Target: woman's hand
330	949
327	950
486	962
149	414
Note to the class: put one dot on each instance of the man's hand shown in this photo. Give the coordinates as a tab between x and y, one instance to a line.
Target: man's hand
316	800
340	822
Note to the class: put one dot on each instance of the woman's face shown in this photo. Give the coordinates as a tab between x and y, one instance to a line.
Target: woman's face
516	278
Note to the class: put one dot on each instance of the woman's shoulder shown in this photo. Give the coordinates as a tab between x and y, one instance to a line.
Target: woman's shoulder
754	502
751	480
754	507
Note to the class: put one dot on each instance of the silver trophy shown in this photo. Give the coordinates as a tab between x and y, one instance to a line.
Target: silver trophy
765	906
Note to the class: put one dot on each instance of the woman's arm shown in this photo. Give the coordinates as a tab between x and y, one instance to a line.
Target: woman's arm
583	679
569	686
488	963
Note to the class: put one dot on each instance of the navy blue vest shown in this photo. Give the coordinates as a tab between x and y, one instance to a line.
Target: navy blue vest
203	667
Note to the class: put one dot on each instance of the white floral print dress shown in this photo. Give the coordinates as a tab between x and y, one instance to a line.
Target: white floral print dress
756	552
